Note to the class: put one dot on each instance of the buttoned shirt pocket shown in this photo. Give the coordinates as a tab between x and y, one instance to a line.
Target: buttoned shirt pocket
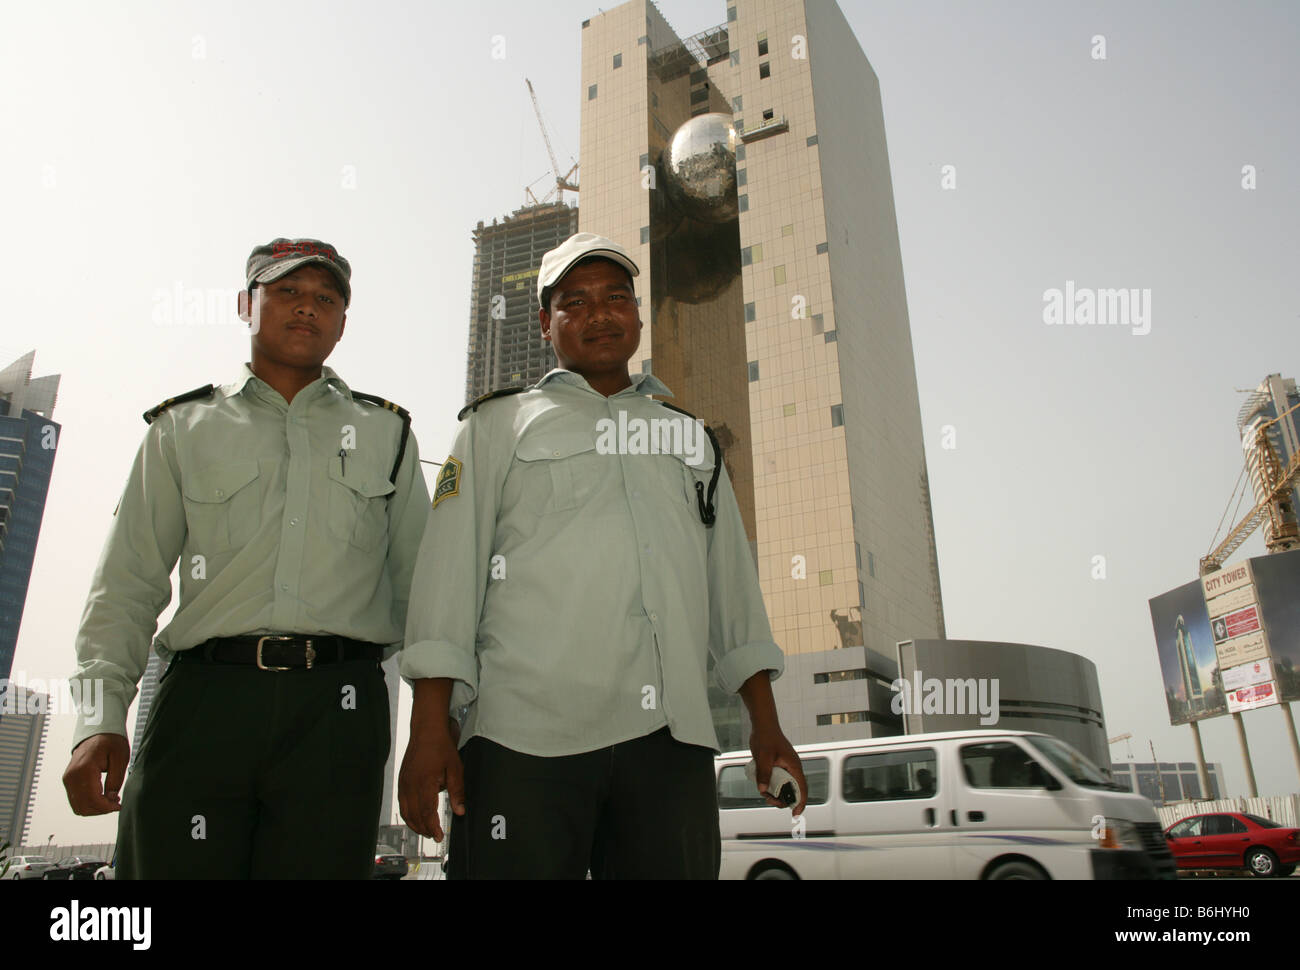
223	506
358	507
560	469
681	476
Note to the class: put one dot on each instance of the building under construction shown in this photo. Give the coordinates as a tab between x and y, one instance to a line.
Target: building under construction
505	340
1271	407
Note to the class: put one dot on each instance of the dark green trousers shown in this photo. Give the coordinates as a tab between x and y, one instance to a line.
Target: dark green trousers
251	774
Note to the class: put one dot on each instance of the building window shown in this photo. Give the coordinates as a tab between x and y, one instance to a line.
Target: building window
837	415
642	40
836	676
747	256
737	103
645	235
818	323
642	163
847	717
765	70
645	366
750	313
742	177
591	93
823	248
857	554
789	410
740	153
762	47
825	577
778	275
735	58
862	596
739	125
753	371
788	230
831	336
699	95
618	60
742	203
700	76
586	24
758	252
812	140
731	15
871	563
767	115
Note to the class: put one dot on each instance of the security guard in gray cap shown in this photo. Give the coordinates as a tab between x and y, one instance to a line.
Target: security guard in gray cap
584	556
296	507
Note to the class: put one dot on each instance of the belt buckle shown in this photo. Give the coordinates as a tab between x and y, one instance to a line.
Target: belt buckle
262	666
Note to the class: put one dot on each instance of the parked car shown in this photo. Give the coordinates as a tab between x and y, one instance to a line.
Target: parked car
1234	840
29	867
991	804
74	867
389	863
107	872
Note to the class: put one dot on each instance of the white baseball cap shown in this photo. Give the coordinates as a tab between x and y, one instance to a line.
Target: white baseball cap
577	247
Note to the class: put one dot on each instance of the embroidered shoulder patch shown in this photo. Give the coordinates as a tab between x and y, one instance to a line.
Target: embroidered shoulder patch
448	481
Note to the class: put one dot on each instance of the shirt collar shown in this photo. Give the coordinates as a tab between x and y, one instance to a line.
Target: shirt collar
327	375
641	383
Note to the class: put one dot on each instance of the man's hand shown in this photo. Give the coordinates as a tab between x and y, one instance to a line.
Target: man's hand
431	763
95	756
769	747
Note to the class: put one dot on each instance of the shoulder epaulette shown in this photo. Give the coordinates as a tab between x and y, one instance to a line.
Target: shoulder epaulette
402	413
193	395
707	511
500	392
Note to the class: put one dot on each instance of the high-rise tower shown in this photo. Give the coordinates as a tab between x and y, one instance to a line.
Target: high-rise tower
746	170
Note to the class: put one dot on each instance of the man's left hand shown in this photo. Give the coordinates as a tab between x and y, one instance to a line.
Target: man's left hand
769	747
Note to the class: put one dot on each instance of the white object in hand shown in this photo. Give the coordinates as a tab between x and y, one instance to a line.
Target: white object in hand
775	782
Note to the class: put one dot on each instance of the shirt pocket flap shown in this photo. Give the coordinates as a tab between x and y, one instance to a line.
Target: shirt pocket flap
217	483
554	446
364	484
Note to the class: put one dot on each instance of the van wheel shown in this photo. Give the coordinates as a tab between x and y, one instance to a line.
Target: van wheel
774	871
1262	862
1017	870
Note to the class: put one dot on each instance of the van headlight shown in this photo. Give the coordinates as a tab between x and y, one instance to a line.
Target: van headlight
1120	834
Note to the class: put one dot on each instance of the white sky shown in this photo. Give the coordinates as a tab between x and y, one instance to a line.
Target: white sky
131	165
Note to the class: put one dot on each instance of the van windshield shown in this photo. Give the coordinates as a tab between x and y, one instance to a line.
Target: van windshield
1076	767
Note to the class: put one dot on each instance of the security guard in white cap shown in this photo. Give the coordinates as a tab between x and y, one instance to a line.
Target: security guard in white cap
296	507
598	554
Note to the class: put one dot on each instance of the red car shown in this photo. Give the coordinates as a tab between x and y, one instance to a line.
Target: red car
1234	840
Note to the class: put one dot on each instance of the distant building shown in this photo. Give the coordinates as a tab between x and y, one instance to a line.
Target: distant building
1180	780
1187	667
1272	398
28	441
22	744
505	340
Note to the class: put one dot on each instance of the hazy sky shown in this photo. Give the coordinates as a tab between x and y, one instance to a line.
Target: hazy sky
149	146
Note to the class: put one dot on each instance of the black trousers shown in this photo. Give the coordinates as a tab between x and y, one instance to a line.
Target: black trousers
641	809
251	774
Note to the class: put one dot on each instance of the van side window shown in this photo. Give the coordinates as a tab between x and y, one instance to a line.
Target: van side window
890	776
998	764
735	790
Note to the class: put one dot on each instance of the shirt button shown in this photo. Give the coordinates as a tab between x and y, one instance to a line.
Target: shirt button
654	616
284	586
220	493
293	521
555	454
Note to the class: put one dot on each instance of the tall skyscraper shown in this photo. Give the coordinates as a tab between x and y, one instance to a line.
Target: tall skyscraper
28	441
1268	402
746	170
1191	673
505	342
22	744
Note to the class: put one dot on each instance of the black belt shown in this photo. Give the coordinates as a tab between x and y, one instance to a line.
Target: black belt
282	651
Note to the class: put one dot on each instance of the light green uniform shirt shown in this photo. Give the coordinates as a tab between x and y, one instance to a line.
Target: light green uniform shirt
275	531
574	596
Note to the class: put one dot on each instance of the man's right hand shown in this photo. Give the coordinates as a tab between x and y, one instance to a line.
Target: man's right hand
431	763
97	755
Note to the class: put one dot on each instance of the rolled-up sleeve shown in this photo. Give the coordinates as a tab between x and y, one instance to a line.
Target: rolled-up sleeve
451	572
740	635
131	586
408	517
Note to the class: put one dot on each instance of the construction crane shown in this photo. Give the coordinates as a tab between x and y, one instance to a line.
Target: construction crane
1279	481
562	182
1123	737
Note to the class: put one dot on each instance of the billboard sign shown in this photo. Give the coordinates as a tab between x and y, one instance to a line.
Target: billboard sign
1189	665
1247	675
1248	698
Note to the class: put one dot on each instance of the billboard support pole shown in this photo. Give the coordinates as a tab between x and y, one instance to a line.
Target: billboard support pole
1253	792
1290	724
1201	771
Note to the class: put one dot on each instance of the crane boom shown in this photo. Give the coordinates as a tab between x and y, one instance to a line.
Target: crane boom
1282	481
561	181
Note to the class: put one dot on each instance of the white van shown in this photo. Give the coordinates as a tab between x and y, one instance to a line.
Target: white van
956	805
